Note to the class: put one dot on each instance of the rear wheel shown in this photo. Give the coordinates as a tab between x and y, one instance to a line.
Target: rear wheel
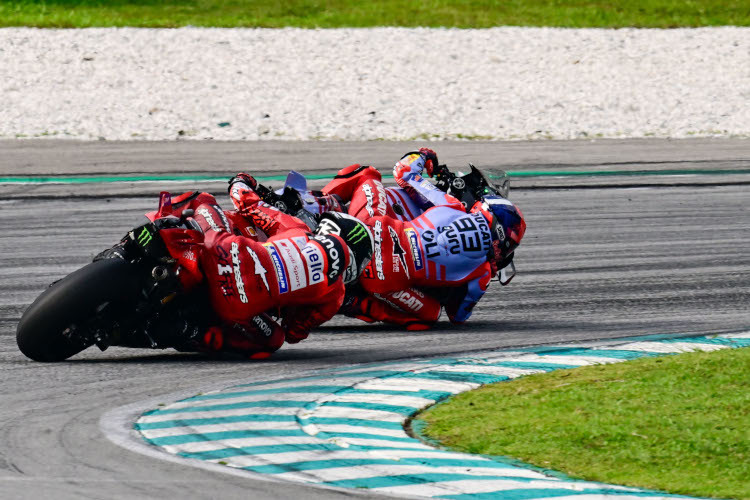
53	327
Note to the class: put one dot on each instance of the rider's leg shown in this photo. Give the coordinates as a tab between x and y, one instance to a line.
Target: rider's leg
257	338
391	310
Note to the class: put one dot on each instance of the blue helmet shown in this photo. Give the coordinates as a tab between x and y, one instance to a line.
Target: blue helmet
508	225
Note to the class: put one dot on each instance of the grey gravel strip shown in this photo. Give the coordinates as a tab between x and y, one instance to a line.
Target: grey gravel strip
367	84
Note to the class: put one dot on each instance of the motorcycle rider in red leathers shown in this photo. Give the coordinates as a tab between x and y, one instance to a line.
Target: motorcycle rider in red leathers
444	247
295	274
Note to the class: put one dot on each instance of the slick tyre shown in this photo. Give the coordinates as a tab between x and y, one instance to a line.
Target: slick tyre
71	302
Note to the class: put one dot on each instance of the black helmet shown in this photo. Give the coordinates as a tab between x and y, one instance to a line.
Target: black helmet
355	234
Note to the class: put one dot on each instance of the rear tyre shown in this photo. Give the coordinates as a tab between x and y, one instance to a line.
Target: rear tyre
70	303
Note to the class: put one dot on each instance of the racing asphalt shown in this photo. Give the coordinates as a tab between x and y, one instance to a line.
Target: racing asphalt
658	250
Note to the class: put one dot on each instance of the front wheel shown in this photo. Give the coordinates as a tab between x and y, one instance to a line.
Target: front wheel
50	329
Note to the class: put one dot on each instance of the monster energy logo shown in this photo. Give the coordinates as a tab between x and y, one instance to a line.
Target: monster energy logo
145	237
357	234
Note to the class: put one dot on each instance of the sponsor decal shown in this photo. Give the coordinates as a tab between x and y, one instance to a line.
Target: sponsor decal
500	232
484	229
224	270
300	241
469	233
416	252
278	266
382	202
263	220
377	236
327	226
430	244
399	254
315	262
334	255
237	274
222	216
388	301
294	264
189	255
236	191
207	215
357	234
408	300
250	230
263	326
145	237
368	195
259	269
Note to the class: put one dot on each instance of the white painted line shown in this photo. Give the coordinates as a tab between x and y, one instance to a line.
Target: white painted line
344	442
228	427
332	379
355	429
385	443
743	335
669	347
490	485
190	415
395	367
368	471
492	357
618	496
410	401
499	371
416	384
202	446
575	360
690	346
352	413
281	396
308	455
311	398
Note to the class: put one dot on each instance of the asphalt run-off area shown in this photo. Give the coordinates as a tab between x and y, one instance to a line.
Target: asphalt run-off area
627	240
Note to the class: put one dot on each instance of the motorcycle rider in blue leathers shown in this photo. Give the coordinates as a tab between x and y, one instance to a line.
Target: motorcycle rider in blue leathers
444	247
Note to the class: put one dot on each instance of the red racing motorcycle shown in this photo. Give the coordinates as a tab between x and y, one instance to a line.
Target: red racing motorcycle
129	295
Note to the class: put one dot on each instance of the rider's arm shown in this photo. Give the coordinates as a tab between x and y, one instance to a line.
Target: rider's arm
242	192
273	221
460	311
408	174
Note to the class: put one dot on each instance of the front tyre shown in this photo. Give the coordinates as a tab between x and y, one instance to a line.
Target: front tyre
49	329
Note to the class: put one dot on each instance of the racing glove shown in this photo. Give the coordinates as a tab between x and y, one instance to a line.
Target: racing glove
430	160
412	164
242	192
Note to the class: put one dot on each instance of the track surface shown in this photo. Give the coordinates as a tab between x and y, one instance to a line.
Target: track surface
597	262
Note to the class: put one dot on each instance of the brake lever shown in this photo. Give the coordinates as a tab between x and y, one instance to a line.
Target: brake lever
444	178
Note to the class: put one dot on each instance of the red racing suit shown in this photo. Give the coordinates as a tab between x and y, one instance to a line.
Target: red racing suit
293	274
444	247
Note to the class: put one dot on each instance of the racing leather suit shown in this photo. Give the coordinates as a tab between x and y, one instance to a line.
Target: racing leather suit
294	274
443	247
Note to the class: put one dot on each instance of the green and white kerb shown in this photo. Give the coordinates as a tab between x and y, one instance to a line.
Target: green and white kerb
345	427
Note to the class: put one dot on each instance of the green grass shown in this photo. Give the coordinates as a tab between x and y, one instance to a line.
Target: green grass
677	423
360	13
